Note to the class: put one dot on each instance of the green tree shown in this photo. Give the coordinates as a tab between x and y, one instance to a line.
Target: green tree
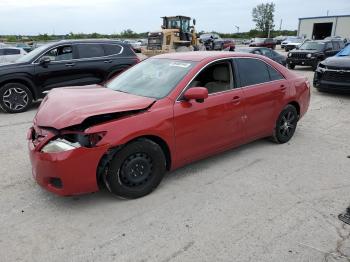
263	16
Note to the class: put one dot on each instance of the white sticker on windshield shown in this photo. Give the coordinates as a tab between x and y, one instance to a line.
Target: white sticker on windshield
179	64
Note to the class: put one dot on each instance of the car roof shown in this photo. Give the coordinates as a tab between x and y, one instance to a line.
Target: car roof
82	41
198	56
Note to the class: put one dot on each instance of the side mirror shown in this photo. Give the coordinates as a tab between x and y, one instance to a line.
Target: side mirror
194	21
196	93
44	60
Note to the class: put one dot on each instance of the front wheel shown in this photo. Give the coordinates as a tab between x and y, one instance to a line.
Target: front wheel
286	125
136	170
15	98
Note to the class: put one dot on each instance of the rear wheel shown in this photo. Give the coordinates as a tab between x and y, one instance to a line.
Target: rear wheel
286	125
136	170
15	98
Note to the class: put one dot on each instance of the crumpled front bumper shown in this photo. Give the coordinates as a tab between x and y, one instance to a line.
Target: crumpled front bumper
66	173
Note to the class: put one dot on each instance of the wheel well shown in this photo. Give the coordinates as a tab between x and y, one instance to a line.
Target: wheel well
107	157
164	146
23	82
296	105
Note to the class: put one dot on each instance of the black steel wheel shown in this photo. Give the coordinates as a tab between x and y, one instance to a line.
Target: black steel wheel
15	98
136	170
286	124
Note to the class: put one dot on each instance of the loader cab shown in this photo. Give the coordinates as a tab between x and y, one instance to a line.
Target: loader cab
182	23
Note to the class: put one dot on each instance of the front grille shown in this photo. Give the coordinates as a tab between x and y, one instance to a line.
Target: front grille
155	41
299	55
333	76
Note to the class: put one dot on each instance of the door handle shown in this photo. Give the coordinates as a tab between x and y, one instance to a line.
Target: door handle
107	61
236	99
283	87
70	64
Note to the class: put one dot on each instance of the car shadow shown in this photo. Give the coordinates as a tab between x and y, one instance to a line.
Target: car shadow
104	197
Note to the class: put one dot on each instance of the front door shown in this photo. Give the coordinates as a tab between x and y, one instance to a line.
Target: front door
60	71
202	129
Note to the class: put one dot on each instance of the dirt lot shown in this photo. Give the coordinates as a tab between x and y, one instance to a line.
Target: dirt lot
260	202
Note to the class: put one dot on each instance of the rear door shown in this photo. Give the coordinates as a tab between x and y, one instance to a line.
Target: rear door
118	58
92	64
263	89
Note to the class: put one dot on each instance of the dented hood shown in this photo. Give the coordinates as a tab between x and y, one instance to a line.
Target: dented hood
64	107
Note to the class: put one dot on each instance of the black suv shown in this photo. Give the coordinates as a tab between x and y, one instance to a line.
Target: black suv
310	53
65	63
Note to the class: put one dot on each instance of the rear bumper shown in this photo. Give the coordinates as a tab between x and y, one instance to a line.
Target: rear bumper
67	173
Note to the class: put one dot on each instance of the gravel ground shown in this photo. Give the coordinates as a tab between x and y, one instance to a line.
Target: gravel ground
259	202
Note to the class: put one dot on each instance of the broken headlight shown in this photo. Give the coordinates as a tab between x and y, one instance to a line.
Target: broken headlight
72	141
59	145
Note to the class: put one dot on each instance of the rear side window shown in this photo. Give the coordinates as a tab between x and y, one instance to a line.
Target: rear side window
274	74
12	51
112	49
254	71
90	50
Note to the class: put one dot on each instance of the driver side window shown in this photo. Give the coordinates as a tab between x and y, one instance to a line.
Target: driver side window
60	53
216	78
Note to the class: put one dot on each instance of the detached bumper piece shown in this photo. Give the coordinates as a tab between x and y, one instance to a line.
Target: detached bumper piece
345	217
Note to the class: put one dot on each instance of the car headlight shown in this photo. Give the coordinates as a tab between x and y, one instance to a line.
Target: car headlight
309	55
290	54
59	145
72	141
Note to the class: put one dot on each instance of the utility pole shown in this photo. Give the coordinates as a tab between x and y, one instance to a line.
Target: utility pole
327	12
237	27
281	24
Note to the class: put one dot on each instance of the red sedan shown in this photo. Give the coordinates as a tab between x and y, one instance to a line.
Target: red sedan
163	113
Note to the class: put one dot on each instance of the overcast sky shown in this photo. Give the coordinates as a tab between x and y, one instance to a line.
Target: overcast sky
113	16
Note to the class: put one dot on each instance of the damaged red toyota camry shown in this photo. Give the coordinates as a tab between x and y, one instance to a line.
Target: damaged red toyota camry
161	114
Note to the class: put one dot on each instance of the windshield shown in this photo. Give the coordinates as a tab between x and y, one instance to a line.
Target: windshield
312	46
154	78
345	51
28	57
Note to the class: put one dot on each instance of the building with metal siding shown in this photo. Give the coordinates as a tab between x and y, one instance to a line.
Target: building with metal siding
323	26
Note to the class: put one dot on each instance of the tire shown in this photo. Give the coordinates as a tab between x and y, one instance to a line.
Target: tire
285	125
15	98
232	49
291	66
314	67
136	170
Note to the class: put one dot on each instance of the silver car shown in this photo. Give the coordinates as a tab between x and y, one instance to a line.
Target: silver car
11	54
